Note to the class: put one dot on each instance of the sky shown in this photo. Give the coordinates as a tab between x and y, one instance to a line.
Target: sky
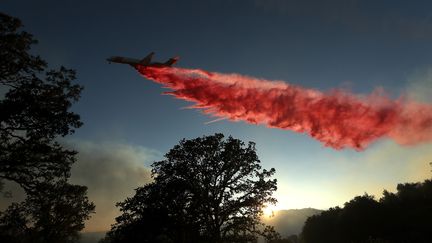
323	45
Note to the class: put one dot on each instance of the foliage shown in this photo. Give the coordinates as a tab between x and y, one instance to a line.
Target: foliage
54	214
205	190
403	216
34	112
270	235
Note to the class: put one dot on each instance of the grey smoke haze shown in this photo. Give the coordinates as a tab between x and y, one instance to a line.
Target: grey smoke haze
111	171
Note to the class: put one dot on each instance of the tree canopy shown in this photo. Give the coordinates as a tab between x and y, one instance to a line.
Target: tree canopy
53	213
404	216
207	189
34	112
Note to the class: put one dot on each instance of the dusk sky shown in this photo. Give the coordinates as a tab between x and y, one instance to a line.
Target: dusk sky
358	46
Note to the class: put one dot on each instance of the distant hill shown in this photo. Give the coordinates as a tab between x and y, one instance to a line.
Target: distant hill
91	237
291	221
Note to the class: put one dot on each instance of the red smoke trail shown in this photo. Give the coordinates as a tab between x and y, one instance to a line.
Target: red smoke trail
338	119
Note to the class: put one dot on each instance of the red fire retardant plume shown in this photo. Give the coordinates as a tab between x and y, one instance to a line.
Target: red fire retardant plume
338	118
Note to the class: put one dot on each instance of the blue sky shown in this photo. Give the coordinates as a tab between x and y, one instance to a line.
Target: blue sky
358	45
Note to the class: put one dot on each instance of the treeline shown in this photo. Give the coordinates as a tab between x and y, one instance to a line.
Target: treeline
404	216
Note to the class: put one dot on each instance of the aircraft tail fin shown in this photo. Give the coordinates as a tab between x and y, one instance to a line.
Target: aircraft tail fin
171	61
146	60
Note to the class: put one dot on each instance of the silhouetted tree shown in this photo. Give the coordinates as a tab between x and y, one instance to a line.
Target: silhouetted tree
409	212
54	213
322	227
271	235
404	216
34	112
205	190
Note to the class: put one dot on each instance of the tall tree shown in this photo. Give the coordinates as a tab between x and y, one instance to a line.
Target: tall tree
34	112
207	189
54	213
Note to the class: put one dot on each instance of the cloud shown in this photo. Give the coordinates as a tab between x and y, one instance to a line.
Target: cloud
111	171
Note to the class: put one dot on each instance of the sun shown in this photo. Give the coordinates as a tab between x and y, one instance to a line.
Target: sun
269	211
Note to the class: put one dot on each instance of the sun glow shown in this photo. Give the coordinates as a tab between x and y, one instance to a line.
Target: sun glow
269	211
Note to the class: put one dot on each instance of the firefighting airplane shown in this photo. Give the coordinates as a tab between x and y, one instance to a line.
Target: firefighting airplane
146	61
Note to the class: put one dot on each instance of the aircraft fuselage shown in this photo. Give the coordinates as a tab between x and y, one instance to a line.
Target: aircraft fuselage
146	61
124	60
